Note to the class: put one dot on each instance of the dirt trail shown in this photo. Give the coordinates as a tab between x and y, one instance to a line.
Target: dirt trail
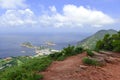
69	69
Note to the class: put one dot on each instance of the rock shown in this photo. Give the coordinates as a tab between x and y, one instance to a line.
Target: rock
112	60
101	60
107	53
99	54
83	67
109	60
78	70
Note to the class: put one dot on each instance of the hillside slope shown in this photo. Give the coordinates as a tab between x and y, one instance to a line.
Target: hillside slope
70	69
90	42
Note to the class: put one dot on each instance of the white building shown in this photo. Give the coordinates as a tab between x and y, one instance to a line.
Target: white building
45	52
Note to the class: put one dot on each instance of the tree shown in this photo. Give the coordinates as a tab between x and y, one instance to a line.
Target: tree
111	43
99	45
107	42
116	42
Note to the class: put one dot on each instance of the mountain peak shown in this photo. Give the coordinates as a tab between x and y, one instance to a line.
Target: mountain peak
90	42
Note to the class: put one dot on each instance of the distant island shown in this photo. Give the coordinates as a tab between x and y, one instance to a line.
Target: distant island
27	44
40	50
50	43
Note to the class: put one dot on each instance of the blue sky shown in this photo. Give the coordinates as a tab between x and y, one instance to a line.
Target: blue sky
110	7
59	15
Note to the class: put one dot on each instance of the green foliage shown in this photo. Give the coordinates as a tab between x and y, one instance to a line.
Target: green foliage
90	53
37	64
61	58
99	45
78	50
18	73
90	42
68	51
27	71
56	55
111	43
89	61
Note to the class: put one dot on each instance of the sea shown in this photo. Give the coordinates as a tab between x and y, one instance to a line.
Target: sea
10	44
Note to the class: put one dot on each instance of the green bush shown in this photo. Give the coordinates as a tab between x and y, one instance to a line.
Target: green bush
38	64
18	73
68	51
78	50
89	61
27	71
109	43
90	53
55	55
61	58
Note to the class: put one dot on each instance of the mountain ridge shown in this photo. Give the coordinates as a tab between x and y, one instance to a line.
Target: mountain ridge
89	42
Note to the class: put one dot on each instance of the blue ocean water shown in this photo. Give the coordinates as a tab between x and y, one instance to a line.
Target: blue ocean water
10	44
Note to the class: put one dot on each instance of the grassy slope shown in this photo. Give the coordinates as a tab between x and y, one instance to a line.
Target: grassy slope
91	41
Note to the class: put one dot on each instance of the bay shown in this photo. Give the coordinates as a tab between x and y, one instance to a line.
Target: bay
10	44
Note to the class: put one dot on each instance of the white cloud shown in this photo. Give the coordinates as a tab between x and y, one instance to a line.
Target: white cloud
53	8
74	16
71	16
18	18
12	4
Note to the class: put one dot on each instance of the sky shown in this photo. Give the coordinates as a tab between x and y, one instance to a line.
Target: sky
58	15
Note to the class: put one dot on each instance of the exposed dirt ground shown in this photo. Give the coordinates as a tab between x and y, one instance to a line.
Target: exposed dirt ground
69	69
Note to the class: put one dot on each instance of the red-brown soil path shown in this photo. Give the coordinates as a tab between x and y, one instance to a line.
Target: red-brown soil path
69	69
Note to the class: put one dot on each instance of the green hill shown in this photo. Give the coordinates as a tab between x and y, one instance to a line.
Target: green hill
89	43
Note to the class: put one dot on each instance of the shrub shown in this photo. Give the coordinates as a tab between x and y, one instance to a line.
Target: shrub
68	51
55	55
18	73
78	50
37	64
61	58
89	61
27	71
109	43
90	53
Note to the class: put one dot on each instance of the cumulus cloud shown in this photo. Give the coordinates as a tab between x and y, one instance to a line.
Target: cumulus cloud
76	16
52	8
12	4
18	18
71	16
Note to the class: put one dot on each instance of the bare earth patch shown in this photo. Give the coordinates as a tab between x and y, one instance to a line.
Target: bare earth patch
70	69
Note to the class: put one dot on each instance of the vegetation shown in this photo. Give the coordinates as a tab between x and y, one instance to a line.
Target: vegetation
110	43
90	42
12	61
90	61
90	53
30	67
18	73
78	50
68	51
27	71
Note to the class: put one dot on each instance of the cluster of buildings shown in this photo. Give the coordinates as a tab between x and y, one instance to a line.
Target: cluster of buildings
46	51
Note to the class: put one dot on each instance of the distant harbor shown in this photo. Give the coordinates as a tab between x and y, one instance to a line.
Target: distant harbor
40	50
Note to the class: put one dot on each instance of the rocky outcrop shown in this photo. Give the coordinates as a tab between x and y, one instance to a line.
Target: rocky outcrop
105	57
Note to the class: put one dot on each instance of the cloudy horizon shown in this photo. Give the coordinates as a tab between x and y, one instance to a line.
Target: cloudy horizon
58	16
